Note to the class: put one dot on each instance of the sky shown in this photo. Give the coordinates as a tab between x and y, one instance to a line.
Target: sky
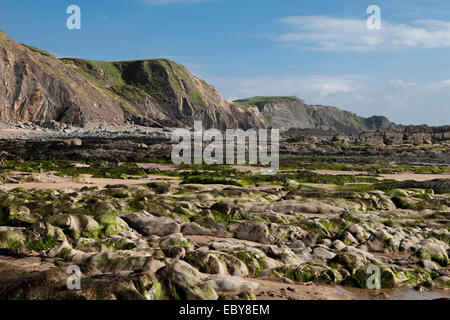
321	51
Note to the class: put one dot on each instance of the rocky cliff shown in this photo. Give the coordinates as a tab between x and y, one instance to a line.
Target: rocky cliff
38	87
416	135
291	112
163	92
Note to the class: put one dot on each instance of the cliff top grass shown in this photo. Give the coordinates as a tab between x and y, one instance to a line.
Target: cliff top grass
112	72
3	35
5	40
354	120
43	52
255	101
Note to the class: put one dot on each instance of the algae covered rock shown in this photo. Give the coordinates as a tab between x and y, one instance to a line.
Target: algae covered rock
433	251
254	231
307	272
120	261
183	282
110	224
12	239
360	278
215	262
351	261
43	235
19	216
139	286
173	240
76	226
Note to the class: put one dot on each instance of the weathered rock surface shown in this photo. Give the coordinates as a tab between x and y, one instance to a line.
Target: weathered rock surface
148	224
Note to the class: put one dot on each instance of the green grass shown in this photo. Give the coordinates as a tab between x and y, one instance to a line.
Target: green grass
3	35
301	275
364	165
65	168
37	245
228	175
11	241
256	101
209	179
195	97
353	120
43	52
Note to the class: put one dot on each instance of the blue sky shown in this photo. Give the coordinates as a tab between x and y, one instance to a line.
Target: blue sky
319	50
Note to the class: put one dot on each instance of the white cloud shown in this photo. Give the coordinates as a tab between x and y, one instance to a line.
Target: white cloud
334	34
396	82
400	100
314	88
162	2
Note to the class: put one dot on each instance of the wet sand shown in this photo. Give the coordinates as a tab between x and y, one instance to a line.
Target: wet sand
395	176
339	173
393	294
415	176
47	182
272	290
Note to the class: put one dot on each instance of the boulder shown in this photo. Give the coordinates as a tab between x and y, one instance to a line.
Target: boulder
433	251
148	224
183	282
172	240
253	231
110	224
351	261
323	254
76	226
19	216
12	239
215	262
193	228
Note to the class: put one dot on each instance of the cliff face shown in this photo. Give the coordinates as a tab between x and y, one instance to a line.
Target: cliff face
163	92
38	87
291	112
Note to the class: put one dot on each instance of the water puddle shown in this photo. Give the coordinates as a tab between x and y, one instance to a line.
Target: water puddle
394	294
